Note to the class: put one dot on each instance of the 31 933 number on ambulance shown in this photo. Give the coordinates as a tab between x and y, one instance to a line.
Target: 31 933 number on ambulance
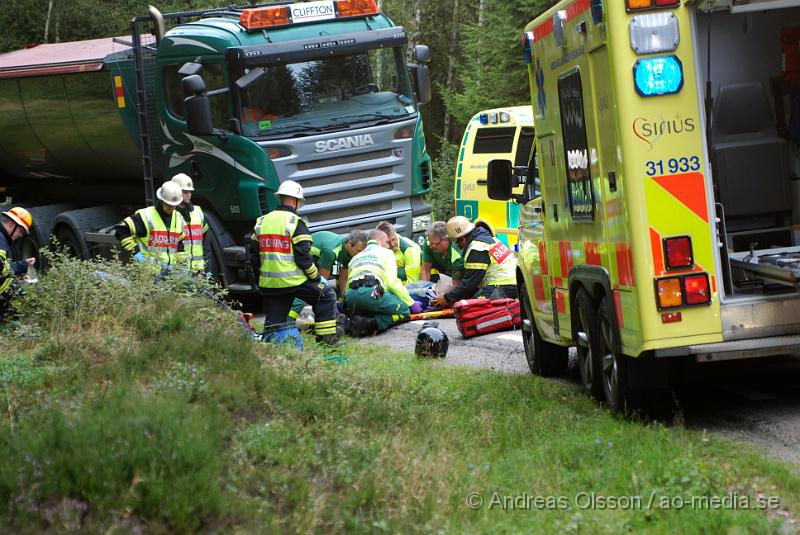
664	227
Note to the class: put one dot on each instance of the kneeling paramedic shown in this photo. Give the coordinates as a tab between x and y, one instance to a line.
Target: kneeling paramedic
407	254
15	224
154	235
490	268
282	246
329	250
375	298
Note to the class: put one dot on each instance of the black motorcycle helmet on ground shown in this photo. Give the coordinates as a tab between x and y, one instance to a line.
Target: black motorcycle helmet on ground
432	342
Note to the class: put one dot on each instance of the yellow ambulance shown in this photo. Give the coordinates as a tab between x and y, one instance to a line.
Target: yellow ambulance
505	133
664	134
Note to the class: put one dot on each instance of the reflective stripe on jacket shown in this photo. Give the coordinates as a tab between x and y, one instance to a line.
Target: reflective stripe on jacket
502	267
160	244
380	263
274	232
194	230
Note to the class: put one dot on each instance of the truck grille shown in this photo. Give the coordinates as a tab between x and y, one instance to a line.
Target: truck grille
346	177
344	160
346	213
349	194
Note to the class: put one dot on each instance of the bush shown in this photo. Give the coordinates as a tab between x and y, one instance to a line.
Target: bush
444	171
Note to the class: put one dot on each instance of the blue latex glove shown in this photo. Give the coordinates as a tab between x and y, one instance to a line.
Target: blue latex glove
139	257
416	308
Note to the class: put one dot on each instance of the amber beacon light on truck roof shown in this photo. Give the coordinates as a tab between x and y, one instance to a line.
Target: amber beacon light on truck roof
259	18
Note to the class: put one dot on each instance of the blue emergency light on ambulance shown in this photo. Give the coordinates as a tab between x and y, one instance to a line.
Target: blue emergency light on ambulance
658	76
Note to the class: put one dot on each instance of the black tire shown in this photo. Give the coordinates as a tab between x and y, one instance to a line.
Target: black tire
613	365
71	244
544	359
588	338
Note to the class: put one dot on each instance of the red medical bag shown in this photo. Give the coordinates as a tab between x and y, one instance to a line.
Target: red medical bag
481	316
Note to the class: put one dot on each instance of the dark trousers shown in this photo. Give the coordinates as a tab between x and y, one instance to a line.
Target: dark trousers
498	292
278	302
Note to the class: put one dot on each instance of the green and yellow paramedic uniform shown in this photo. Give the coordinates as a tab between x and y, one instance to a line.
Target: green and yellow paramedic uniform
448	263
374	290
325	250
195	229
490	269
408	257
147	232
282	247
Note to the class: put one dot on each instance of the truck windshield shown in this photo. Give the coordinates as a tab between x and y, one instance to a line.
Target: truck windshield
327	94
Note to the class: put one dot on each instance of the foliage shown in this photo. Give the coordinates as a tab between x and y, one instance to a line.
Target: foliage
165	417
444	168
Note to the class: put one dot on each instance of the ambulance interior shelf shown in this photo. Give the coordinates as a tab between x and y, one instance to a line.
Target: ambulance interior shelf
768	266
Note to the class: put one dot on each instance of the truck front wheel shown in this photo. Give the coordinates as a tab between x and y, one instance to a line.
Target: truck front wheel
545	359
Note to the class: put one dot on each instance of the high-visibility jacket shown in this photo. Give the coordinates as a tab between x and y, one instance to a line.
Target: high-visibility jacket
276	236
380	263
159	245
194	229
409	260
6	273
502	267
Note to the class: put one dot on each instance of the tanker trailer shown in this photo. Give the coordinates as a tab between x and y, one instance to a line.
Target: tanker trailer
90	127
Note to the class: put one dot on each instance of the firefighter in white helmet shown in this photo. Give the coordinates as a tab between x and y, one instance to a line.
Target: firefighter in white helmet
490	268
154	235
281	248
195	228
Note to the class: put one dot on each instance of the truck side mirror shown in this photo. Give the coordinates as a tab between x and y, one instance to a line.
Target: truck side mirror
198	108
499	180
423	83
422	54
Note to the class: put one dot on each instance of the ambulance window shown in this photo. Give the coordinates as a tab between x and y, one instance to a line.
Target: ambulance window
576	148
494	140
524	146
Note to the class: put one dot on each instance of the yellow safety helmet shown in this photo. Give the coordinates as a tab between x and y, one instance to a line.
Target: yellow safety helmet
21	217
290	188
459	226
170	192
184	181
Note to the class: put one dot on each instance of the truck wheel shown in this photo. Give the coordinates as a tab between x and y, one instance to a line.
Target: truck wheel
614	374
67	239
588	339
544	359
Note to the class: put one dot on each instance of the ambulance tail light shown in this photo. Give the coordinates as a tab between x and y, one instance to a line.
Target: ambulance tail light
669	292
355	8
678	252
264	17
636	5
653	32
697	289
659	75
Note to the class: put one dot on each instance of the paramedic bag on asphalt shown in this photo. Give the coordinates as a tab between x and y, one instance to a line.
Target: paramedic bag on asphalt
481	316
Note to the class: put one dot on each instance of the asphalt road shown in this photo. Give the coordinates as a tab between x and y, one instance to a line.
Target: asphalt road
754	400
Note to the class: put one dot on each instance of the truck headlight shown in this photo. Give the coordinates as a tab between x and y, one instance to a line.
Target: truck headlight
421	222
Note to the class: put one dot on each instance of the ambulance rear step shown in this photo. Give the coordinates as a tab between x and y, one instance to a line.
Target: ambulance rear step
737	349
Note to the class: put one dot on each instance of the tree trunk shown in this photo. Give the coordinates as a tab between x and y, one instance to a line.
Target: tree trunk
47	20
451	71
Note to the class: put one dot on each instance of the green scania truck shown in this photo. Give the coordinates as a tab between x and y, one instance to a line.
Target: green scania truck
240	99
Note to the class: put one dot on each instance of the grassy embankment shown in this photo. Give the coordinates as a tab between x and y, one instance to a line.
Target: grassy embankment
139	408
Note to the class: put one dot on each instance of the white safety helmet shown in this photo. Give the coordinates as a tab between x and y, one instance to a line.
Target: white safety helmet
290	188
183	180
170	192
459	226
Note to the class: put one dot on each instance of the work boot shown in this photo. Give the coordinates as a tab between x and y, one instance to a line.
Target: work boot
362	326
342	325
330	340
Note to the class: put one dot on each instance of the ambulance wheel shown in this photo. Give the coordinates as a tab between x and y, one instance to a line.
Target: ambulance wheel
614	366
545	359
589	341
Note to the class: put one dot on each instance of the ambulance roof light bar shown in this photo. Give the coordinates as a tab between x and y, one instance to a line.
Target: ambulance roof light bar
636	5
259	18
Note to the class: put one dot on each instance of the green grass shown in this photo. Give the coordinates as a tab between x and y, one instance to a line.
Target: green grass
145	409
